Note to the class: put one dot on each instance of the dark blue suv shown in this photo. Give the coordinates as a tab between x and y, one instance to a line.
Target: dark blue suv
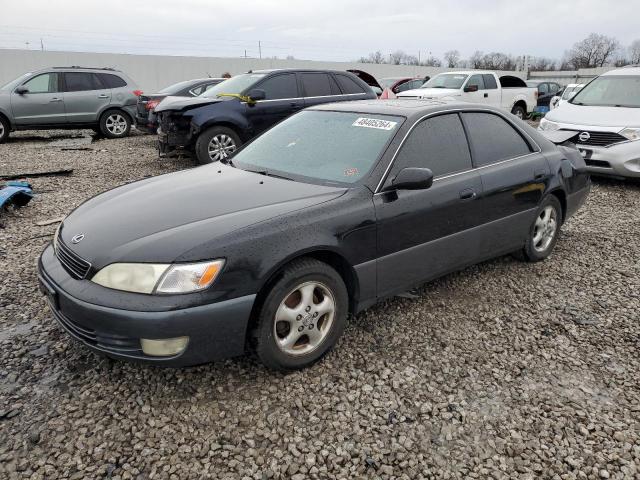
215	124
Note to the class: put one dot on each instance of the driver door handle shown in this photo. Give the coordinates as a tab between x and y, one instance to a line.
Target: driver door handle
486	95
467	194
55	99
103	96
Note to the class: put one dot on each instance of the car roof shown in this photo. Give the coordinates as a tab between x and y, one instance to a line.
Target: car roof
631	70
409	108
323	70
78	69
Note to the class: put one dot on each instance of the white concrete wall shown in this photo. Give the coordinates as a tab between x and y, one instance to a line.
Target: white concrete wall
153	72
565	77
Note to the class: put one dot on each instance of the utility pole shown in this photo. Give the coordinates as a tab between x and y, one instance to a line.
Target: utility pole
27	44
418	57
41	44
260	49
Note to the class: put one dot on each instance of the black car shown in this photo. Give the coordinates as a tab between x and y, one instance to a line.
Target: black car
215	124
546	91
270	251
145	114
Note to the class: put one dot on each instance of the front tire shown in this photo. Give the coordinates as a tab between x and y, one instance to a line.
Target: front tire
215	144
544	232
519	112
302	317
115	124
4	130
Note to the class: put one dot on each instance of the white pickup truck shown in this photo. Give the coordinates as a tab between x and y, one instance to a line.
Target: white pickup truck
480	86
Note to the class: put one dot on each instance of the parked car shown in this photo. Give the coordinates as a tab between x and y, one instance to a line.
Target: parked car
330	211
566	94
215	124
103	99
603	119
145	113
546	91
507	92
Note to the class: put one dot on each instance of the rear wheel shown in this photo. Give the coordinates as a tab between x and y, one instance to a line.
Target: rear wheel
519	112
302	316
115	124
216	143
4	129
544	231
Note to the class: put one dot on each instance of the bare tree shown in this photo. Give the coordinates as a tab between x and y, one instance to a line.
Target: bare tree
374	57
397	58
498	61
594	51
452	57
542	64
431	61
475	61
634	52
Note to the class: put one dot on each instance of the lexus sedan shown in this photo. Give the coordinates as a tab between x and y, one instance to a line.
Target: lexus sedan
271	250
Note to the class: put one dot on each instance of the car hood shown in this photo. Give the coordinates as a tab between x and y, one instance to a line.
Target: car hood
184	103
430	93
595	116
158	219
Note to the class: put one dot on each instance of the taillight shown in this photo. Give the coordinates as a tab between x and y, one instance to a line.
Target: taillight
137	93
151	104
535	94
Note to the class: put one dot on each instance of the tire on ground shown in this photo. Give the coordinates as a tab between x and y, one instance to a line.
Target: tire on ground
115	124
4	129
295	274
519	112
205	138
530	253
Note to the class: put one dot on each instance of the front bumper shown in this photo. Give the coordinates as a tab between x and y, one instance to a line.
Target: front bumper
618	160
216	331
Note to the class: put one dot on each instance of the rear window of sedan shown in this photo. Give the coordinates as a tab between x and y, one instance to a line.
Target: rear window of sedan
329	147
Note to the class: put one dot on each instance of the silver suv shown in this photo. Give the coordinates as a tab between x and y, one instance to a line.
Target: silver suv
103	99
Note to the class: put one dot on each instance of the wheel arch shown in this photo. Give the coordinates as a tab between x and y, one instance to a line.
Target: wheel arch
237	127
108	108
520	103
5	116
561	195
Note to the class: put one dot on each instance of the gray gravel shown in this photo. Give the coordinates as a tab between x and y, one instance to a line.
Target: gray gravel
504	370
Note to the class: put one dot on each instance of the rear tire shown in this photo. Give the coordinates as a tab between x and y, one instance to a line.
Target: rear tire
115	124
519	112
215	144
544	231
302	317
4	129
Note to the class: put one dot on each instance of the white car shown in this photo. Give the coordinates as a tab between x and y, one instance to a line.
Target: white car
605	116
480	86
567	94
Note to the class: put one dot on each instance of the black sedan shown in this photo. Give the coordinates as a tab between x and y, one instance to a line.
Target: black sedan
272	250
145	116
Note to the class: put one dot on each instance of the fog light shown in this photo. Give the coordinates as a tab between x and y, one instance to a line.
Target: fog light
164	347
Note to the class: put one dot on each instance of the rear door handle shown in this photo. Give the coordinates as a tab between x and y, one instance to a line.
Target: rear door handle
539	174
55	99
467	194
103	96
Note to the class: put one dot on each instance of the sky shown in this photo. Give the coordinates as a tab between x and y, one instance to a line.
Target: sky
338	30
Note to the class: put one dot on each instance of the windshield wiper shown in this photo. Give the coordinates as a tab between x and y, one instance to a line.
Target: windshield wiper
267	173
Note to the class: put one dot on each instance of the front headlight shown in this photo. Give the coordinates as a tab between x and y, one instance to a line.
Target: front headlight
631	133
159	278
548	125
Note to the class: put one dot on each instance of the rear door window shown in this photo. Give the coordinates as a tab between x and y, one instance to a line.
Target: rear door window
437	143
493	139
45	83
317	85
348	85
280	86
80	82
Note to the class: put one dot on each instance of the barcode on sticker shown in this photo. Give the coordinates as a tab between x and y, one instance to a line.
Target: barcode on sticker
374	123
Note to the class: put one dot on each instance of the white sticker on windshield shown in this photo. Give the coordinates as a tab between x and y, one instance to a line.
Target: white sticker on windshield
374	123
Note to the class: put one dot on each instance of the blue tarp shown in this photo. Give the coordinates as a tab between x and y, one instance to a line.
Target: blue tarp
16	193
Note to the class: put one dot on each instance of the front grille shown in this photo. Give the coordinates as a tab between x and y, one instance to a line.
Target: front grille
77	266
109	343
599	139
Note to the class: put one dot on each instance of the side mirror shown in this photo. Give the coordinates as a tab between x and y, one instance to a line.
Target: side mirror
22	90
256	94
471	88
412	179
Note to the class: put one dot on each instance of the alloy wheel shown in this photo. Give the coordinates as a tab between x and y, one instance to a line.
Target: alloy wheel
545	228
116	124
304	318
1	130
220	147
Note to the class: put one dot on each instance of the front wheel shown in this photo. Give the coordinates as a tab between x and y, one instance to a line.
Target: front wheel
302	316
115	124
519	112
544	232
215	144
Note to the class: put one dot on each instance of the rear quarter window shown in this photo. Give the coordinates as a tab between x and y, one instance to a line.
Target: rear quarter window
493	139
111	81
348	85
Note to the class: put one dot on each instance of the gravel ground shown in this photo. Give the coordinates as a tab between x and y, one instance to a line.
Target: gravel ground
503	370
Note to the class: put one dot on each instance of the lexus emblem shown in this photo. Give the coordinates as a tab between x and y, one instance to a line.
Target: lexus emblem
77	238
584	136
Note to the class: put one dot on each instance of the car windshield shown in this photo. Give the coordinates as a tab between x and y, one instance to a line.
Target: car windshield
235	85
175	88
446	80
610	91
14	83
321	146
